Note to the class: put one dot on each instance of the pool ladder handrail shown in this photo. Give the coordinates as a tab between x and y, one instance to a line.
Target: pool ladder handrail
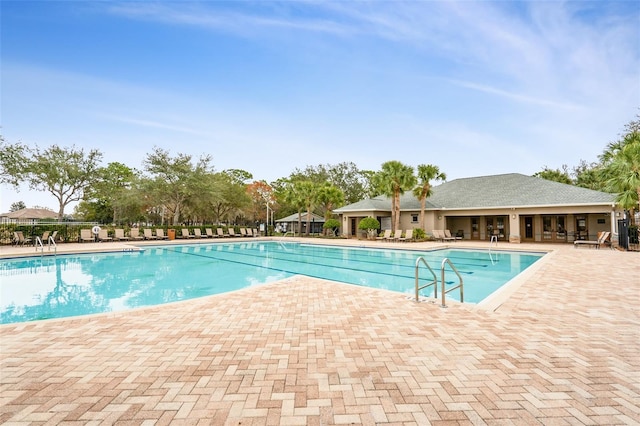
433	283
460	285
52	242
443	291
39	244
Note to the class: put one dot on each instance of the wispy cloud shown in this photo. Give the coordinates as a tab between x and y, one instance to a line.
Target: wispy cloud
516	96
234	21
153	124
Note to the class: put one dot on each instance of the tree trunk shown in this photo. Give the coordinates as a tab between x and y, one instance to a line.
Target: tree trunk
397	210
176	215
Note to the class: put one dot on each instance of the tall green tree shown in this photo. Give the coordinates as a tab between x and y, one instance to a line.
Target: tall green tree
426	173
346	176
18	205
13	160
329	198
225	197
110	195
300	194
555	175
175	180
588	175
394	179
308	193
622	171
64	172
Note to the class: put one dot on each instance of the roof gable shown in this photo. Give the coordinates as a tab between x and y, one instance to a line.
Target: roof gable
506	190
513	190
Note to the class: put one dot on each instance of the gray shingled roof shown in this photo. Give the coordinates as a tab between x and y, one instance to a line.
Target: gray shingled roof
508	190
31	214
303	215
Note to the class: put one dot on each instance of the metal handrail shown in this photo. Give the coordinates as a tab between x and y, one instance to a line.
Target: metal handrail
39	243
53	242
433	283
460	286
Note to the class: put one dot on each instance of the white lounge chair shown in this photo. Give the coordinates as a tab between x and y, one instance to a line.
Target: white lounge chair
385	236
160	234
603	236
408	236
148	235
119	235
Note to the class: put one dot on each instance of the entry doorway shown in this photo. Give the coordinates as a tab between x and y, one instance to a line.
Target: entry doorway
529	228
582	232
353	226
495	227
554	229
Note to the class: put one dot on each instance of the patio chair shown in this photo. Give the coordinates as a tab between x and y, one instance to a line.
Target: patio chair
449	237
603	236
119	235
160	234
396	235
103	235
135	234
86	235
148	235
20	239
255	232
232	232
209	233
385	236
197	233
221	233
408	236
186	234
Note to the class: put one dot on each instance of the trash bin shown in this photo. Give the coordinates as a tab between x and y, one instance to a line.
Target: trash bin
171	233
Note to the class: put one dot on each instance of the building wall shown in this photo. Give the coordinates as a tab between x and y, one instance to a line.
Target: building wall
598	218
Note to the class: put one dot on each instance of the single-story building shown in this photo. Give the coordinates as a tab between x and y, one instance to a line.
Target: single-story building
510	207
290	223
27	216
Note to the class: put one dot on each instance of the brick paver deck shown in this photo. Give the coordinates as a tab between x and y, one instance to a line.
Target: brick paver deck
564	348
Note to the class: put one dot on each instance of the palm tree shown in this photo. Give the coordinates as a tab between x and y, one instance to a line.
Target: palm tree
622	172
330	197
426	173
301	194
309	195
393	179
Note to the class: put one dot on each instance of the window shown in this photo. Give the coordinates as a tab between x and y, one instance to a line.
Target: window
414	218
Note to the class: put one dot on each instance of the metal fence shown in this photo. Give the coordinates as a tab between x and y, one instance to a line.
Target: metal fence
67	231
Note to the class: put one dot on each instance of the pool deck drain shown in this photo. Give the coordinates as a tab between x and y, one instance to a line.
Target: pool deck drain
562	348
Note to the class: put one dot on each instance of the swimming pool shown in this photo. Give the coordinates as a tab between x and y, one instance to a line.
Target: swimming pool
70	285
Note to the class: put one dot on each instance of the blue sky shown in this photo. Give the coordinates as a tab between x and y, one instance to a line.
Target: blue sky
477	88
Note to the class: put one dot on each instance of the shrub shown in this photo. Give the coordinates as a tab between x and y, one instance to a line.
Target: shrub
370	225
419	234
333	225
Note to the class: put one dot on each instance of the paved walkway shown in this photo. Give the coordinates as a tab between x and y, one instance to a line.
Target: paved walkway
563	348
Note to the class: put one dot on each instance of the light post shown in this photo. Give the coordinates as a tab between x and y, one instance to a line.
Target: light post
266	229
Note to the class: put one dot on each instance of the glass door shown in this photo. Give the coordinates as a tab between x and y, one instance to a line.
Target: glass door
475	228
581	228
554	229
528	227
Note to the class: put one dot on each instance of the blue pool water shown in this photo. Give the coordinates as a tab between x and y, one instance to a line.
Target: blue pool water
71	285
